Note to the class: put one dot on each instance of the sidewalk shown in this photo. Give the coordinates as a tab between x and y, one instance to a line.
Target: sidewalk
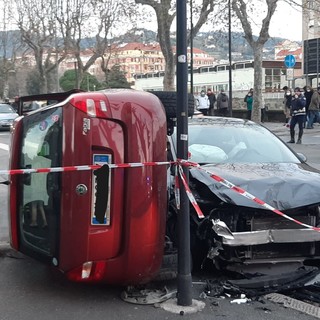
279	129
310	141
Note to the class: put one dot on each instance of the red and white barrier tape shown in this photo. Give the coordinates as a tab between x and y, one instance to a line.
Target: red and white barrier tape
189	193
177	188
82	168
245	194
179	163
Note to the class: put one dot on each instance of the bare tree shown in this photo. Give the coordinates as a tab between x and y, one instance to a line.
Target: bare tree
9	44
37	25
82	19
4	61
166	12
242	12
53	29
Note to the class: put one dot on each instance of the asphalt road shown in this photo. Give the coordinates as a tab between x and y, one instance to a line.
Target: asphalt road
31	290
4	160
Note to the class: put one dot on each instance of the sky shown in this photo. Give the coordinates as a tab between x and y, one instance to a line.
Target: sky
286	22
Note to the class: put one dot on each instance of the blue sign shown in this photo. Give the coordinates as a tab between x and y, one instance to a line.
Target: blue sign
289	61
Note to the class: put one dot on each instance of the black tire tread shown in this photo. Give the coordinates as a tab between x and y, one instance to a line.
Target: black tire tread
169	101
169	267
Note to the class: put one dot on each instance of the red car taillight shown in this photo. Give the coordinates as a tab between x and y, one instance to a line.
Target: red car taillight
89	271
92	107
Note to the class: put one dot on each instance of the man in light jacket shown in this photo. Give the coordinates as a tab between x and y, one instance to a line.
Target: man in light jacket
203	103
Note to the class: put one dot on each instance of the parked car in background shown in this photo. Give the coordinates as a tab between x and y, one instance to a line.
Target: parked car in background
7	115
237	233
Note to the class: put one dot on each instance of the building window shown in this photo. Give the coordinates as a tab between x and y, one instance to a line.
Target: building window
272	79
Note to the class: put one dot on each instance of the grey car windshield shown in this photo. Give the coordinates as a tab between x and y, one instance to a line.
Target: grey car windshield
5	108
236	142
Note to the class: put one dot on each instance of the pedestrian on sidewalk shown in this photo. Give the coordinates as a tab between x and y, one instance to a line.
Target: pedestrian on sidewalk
298	112
287	104
308	92
222	104
313	108
248	99
202	102
263	108
212	101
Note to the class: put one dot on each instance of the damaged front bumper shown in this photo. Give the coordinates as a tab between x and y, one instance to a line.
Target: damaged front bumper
271	236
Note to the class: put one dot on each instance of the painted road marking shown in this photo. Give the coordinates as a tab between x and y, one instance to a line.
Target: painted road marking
4	146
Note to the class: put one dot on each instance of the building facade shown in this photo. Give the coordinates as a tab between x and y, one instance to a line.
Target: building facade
311	41
274	78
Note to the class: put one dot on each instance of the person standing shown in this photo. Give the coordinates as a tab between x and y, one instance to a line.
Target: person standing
222	103
298	112
313	108
15	104
212	101
287	104
203	103
308	92
263	108
248	99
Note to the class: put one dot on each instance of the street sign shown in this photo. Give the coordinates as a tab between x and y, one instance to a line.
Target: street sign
290	74
289	61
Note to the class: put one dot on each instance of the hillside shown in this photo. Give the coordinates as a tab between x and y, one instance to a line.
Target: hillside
214	43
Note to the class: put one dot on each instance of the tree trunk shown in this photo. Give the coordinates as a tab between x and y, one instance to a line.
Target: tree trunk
165	16
257	87
240	8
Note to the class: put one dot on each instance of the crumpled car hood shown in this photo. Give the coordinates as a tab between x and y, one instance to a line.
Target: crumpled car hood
283	186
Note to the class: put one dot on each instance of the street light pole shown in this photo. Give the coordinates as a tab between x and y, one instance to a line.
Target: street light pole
191	48
76	74
230	59
184	279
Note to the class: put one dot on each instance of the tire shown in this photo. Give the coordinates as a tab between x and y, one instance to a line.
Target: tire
169	101
169	268
165	275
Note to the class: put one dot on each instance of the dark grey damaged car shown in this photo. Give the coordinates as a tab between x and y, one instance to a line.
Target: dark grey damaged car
237	233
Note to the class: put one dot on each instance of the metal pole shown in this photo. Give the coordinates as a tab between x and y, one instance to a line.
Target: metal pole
191	48
306	61
230	59
76	74
184	280
317	55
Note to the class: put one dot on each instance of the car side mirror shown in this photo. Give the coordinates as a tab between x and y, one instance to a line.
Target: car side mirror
302	157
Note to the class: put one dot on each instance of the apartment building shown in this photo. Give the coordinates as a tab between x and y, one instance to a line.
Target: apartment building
143	58
134	58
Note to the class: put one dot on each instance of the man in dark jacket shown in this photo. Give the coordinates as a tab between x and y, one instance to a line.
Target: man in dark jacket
313	108
222	104
298	113
212	101
287	104
308	92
